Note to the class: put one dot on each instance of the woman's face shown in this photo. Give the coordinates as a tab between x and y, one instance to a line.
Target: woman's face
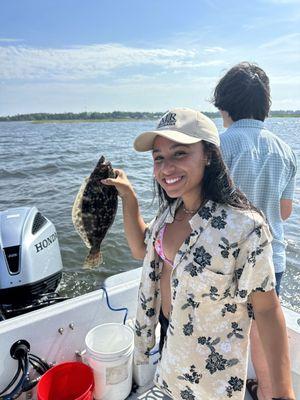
179	168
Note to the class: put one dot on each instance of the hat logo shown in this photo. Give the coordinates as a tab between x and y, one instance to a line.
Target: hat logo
167	120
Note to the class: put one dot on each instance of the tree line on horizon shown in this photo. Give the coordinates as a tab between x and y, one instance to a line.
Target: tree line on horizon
115	115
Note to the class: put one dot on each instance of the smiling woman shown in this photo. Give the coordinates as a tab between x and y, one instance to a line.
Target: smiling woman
207	267
179	169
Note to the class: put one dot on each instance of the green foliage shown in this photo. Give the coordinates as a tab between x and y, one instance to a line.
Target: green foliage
83	116
115	116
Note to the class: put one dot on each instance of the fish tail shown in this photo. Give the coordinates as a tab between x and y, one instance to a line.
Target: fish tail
93	259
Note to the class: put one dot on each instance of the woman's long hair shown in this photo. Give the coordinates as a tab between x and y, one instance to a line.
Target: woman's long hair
216	184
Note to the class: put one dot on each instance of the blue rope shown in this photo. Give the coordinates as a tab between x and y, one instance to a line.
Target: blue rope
115	309
152	352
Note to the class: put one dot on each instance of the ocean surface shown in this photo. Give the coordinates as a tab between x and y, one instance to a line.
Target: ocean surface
43	165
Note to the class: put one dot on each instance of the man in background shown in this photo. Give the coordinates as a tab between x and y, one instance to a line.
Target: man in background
263	167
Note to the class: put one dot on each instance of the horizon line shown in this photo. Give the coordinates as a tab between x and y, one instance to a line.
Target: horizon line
124	111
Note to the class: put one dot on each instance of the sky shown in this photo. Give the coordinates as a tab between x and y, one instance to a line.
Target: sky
141	55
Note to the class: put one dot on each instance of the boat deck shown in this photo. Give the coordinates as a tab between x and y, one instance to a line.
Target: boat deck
149	394
154	394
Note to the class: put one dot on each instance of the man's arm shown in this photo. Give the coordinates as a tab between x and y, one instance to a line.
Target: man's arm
286	201
272	331
286	207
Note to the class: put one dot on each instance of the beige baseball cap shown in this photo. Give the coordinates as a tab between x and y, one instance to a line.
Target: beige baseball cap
182	125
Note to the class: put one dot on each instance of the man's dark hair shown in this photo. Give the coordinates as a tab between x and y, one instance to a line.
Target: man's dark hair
244	92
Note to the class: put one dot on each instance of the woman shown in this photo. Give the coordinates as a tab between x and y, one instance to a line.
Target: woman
207	266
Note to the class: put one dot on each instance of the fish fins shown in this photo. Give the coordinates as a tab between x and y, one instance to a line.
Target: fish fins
93	259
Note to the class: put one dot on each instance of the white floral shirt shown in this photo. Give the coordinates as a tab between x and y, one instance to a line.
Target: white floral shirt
226	257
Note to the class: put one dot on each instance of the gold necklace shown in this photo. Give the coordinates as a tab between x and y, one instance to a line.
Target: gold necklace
190	212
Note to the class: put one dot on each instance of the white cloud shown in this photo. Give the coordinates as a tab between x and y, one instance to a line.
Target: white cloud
10	40
285	40
177	65
285	79
85	62
214	50
112	76
260	24
151	95
286	104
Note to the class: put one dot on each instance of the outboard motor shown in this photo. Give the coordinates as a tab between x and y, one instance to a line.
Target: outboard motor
30	261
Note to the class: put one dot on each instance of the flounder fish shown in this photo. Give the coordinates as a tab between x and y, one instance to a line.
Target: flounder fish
94	210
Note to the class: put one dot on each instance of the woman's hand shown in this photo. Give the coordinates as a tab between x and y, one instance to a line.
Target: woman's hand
121	182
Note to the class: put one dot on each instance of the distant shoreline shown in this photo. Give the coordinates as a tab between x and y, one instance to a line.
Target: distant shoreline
115	116
79	121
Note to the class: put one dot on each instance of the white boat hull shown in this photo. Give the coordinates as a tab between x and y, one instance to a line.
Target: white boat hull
56	333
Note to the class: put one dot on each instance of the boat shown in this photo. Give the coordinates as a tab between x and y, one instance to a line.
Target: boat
56	333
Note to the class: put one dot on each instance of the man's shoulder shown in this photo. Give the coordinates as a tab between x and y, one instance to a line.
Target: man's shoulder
233	133
270	135
231	137
278	145
236	135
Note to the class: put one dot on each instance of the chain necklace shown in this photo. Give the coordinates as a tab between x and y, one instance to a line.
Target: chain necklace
190	212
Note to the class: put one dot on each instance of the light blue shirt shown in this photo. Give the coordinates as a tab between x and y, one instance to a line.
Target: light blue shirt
264	168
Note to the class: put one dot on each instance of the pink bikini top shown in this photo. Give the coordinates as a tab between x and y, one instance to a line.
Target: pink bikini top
158	245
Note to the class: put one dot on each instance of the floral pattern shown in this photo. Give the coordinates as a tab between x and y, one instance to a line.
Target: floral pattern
193	269
226	247
193	376
188	328
187	394
228	308
213	293
190	302
202	257
226	257
235	384
215	361
205	213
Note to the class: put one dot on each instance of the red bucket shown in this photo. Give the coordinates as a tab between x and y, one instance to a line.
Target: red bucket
67	381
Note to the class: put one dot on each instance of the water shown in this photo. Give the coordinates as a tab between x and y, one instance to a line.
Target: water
44	165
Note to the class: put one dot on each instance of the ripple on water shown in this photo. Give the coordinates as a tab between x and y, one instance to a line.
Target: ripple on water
48	162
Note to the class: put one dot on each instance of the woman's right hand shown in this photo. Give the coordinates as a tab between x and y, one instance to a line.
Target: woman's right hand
121	183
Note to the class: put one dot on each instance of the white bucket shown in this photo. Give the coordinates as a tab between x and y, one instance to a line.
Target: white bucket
109	352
